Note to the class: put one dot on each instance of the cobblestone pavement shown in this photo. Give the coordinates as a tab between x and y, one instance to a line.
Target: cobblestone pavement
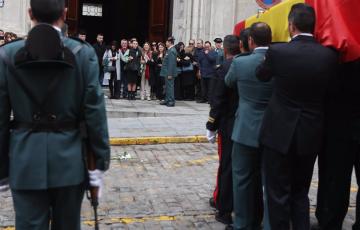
159	187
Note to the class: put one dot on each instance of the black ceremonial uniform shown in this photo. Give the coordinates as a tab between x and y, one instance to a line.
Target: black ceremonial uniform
222	116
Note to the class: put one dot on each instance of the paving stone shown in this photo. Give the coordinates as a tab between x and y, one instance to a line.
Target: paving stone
161	187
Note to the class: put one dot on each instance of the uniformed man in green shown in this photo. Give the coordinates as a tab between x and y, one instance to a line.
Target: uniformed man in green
220	52
169	72
50	85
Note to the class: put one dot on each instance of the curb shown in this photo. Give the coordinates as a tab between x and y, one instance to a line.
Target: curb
157	140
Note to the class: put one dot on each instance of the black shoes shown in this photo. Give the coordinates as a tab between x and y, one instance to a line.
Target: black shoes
202	101
224	218
229	227
170	105
163	103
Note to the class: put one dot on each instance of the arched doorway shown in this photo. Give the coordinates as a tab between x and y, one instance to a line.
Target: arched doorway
147	20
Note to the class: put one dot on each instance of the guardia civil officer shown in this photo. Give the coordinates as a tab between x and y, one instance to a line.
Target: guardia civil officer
220	51
51	85
246	154
169	72
221	119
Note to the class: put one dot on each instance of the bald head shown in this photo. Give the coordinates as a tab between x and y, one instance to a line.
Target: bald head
47	11
260	34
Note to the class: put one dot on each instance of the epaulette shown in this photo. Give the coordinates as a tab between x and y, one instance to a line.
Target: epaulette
79	40
242	55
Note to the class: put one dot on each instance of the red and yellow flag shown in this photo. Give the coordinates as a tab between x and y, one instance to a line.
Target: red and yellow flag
337	24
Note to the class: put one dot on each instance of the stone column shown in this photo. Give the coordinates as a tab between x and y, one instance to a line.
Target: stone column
208	19
14	17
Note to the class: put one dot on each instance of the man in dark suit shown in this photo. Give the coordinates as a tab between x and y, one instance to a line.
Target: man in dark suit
341	150
292	129
100	49
221	120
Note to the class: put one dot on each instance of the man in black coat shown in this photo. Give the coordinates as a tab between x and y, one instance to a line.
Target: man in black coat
100	49
341	150
221	119
292	129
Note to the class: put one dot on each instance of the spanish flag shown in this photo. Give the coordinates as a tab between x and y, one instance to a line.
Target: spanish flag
337	24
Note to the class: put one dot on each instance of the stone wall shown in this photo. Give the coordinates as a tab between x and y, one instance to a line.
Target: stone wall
14	16
208	19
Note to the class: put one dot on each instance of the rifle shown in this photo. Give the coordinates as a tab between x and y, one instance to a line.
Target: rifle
94	191
90	164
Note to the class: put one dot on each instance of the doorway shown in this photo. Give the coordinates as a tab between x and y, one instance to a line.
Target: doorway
147	20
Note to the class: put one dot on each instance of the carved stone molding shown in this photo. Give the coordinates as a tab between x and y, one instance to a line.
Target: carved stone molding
14	17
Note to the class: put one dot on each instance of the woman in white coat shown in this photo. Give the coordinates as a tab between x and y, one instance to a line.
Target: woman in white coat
112	71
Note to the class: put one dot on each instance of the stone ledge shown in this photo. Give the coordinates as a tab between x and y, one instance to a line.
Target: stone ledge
156	140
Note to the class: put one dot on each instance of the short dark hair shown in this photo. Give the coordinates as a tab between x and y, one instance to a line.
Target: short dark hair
47	11
208	42
231	44
302	16
82	32
261	33
244	38
100	34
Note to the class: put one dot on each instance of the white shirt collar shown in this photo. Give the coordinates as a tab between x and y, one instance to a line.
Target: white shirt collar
57	28
262	48
303	34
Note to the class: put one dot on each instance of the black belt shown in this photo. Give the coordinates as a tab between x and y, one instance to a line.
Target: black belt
45	127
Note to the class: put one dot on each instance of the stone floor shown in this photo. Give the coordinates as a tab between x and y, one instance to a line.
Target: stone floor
159	187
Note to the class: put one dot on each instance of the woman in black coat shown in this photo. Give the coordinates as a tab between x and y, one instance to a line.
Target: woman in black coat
187	75
133	68
159	81
178	86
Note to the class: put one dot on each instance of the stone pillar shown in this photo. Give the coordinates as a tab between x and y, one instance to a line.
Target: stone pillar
14	17
208	19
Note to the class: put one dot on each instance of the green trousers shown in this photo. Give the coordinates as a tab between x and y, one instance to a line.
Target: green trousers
247	187
169	91
36	209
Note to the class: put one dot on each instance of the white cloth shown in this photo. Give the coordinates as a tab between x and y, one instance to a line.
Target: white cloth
4	185
211	136
96	180
108	55
145	86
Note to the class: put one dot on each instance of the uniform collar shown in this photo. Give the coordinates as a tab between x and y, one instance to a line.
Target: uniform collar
303	34
261	49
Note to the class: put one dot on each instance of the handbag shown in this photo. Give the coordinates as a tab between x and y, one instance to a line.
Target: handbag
133	66
109	69
188	68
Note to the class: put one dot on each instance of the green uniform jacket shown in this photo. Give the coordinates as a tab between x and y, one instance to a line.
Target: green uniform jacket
220	57
169	64
254	97
41	160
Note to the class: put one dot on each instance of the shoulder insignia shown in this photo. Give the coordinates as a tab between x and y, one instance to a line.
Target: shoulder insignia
79	40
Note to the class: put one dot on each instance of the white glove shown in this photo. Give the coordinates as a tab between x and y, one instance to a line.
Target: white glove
211	136
4	185
96	180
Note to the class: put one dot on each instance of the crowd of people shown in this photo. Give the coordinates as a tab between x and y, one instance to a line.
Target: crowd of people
6	37
275	109
128	68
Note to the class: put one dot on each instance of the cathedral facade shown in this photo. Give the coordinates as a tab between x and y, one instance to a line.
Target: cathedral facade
152	20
